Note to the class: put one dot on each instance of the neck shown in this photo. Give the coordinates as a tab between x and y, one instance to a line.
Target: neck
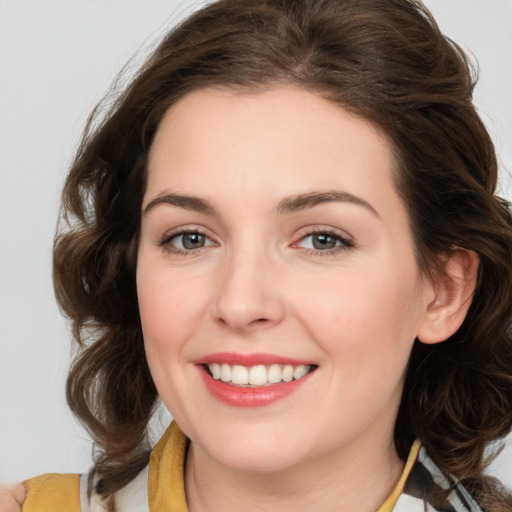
356	478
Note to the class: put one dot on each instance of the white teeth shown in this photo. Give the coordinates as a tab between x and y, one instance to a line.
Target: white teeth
215	369
274	374
259	375
239	375
288	373
225	373
300	371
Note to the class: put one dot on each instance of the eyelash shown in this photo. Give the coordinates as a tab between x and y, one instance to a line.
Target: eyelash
342	242
166	242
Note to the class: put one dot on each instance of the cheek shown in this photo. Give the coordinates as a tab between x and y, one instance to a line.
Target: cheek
168	308
364	315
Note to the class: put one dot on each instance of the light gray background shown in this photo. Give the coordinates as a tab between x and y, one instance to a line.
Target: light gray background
57	58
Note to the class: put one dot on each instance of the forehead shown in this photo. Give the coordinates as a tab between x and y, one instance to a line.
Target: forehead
287	113
278	142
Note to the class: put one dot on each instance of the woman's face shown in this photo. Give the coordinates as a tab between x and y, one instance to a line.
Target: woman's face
274	246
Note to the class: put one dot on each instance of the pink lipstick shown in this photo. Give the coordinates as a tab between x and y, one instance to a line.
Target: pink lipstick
252	380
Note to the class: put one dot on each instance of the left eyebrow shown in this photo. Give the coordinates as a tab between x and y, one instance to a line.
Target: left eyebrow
311	199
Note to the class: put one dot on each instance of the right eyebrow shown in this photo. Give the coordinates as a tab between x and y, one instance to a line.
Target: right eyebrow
186	202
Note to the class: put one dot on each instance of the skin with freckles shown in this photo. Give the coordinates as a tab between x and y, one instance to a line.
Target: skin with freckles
271	225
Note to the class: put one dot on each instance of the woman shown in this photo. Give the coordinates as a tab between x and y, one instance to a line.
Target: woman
285	229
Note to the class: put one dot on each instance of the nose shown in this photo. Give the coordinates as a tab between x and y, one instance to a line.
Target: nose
249	297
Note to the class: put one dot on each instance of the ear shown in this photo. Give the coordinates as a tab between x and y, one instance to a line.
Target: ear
452	288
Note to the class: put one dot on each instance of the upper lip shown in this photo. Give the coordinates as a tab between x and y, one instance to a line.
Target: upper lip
253	359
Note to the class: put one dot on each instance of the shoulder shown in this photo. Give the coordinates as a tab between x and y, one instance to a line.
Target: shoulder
53	491
159	486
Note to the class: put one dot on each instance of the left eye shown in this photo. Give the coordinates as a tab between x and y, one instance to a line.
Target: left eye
323	241
189	240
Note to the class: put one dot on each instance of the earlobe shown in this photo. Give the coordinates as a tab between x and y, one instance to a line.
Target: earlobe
453	288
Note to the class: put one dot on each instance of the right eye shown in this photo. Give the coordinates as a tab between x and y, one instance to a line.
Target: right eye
186	241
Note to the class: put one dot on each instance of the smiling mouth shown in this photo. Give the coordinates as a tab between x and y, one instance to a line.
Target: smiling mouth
258	375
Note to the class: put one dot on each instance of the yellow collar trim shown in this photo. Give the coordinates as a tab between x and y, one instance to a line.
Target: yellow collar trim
390	503
166	481
166	484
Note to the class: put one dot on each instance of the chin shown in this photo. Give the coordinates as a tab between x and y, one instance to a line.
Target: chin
252	449
256	461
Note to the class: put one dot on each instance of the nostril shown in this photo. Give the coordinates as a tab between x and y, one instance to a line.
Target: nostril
258	321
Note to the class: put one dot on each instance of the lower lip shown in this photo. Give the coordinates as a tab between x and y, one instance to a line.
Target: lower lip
238	396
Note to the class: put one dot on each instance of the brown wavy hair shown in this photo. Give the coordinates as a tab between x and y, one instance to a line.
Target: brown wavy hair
385	60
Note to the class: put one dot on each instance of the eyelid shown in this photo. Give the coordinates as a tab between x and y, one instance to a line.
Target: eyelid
347	241
169	235
164	241
329	230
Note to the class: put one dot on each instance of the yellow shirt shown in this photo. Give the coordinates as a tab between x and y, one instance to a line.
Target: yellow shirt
165	483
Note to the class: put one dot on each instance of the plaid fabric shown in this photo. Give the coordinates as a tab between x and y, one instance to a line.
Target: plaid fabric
429	490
